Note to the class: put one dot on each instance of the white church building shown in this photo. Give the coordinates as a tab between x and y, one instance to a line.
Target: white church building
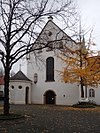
43	84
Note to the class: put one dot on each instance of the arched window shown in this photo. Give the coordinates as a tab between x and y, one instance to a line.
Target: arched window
91	93
50	69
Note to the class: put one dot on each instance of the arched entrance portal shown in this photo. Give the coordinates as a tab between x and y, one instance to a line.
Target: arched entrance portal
50	97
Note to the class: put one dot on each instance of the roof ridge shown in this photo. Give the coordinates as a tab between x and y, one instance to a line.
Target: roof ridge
20	76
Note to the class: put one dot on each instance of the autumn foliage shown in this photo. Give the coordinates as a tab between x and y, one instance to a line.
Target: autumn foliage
81	66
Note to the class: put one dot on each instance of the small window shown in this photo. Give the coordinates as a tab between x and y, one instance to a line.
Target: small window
12	87
40	49
49	33
60	45
91	93
20	87
50	47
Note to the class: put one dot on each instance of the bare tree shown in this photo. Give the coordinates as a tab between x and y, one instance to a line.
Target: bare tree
18	22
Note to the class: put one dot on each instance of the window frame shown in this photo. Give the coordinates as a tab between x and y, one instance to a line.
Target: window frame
50	69
91	93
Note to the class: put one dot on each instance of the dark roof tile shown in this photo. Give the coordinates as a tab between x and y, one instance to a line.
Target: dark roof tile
19	76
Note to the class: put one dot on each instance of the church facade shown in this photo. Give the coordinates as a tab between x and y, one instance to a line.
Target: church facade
44	85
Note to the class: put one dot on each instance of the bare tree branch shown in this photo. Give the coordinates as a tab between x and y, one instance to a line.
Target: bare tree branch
20	21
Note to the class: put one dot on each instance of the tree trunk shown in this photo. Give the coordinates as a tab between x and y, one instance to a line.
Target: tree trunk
6	88
86	91
82	91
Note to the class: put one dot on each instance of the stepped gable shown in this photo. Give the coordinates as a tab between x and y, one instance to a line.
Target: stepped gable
19	76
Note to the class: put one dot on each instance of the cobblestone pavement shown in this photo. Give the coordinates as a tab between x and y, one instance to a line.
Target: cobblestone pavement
52	119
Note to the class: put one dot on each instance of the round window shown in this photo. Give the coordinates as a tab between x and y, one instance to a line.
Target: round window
20	87
12	87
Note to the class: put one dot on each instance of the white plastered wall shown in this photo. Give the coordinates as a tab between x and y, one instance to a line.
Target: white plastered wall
17	96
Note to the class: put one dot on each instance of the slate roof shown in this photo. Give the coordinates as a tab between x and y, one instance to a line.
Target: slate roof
19	76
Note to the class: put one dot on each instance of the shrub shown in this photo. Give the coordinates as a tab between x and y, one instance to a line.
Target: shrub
84	105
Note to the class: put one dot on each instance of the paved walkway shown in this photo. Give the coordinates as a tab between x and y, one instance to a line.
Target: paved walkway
52	119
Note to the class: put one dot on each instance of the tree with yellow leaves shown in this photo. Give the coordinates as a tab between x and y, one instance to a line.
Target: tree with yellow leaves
81	66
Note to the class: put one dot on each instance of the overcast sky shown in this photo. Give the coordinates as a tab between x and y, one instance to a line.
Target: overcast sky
90	14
